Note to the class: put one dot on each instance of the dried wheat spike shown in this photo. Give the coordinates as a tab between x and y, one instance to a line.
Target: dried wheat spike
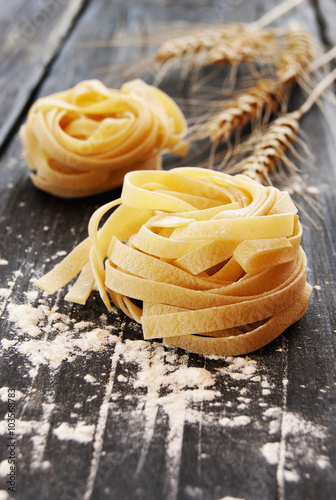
298	53
248	45
193	43
232	43
263	98
245	37
271	147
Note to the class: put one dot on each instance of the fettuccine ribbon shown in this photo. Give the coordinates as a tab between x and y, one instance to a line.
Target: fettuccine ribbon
84	140
214	259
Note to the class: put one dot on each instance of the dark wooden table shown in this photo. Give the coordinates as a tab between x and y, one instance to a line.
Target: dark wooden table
95	415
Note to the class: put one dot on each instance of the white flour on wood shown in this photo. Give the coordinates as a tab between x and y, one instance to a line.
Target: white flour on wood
154	381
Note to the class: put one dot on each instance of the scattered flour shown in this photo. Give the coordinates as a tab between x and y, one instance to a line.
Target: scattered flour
81	432
3	262
4	495
323	462
60	253
301	439
90	379
240	368
82	324
4	468
172	385
231	498
4	394
162	381
272	412
237	421
63	347
47	337
291	476
26	318
32	295
21	427
6	343
271	452
296	426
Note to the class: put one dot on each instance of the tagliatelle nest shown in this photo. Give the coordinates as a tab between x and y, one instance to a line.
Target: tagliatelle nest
214	259
82	141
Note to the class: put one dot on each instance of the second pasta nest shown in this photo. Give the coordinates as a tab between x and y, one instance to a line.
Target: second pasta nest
84	140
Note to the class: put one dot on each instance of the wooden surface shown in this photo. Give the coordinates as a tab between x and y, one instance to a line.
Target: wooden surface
88	422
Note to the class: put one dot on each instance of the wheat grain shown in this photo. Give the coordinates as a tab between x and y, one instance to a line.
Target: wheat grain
271	147
231	44
260	100
267	95
272	144
298	53
249	45
264	98
193	43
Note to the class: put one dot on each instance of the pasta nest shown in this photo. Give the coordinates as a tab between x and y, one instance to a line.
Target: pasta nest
84	140
209	262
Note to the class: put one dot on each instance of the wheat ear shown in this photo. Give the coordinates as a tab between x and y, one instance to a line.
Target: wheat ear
263	99
279	136
298	53
229	44
226	43
249	45
267	95
193	43
273	143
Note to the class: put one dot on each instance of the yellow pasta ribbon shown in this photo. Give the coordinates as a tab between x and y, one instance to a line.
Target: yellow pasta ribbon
84	140
215	260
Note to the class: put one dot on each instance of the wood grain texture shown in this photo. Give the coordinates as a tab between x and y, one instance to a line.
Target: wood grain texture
326	10
31	35
89	424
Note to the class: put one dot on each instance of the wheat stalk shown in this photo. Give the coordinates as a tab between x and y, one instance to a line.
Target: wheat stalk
277	11
230	43
267	95
278	137
269	143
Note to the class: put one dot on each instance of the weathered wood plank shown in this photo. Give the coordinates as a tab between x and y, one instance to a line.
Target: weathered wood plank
327	13
31	35
90	421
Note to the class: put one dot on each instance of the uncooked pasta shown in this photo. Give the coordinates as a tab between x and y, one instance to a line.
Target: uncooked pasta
83	141
208	262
